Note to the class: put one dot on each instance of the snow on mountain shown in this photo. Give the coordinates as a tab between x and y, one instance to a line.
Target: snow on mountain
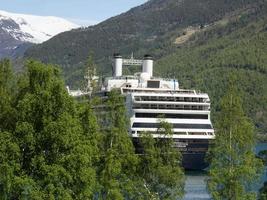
34	29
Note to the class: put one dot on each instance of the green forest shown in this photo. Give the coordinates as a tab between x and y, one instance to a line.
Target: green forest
53	147
238	48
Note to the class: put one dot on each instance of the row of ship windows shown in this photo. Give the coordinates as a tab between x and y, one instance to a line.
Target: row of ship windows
189	141
170	107
186	141
187	126
169	115
174	99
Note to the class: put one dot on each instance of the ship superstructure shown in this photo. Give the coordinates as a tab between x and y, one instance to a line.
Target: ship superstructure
150	100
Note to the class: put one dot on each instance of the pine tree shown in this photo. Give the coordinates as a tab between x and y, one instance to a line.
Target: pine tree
90	68
118	175
234	167
161	165
7	113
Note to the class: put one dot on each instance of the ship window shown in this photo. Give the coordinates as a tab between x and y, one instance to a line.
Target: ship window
169	99
161	106
195	100
186	99
180	107
186	126
153	98
179	133
170	107
168	115
153	84
194	107
153	106
196	133
137	98
187	107
161	98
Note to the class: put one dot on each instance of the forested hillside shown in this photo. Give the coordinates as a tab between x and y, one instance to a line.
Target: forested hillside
236	47
199	42
147	28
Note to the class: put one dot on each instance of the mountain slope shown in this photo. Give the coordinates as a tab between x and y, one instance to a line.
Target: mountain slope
18	31
236	48
140	30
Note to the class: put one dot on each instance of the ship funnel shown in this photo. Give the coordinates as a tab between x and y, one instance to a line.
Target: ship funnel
117	67
148	65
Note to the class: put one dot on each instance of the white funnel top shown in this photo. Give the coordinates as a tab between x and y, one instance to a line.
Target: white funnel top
148	65
117	65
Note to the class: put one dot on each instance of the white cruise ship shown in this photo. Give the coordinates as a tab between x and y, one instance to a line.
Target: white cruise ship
150	99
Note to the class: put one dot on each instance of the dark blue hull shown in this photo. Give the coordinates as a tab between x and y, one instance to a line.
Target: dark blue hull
194	152
194	161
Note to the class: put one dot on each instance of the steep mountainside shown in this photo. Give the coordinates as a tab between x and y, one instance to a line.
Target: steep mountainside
140	30
234	47
18	31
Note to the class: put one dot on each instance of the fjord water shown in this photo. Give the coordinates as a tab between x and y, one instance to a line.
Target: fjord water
196	185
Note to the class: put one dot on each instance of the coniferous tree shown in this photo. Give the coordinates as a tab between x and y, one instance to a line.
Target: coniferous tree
119	178
234	167
161	165
7	113
90	71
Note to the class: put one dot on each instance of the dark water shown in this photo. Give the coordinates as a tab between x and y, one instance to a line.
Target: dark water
196	187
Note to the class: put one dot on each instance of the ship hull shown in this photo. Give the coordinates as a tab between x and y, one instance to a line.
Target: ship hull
194	152
194	161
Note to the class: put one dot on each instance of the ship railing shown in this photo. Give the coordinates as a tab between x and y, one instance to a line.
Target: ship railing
156	90
122	78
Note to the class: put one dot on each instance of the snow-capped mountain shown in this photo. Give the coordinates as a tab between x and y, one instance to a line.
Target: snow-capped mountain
35	29
17	31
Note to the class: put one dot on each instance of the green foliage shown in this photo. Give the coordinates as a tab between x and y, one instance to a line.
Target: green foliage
55	148
263	155
90	73
234	167
49	155
118	174
161	165
263	192
7	113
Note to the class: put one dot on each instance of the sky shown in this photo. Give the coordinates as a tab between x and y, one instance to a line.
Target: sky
82	12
